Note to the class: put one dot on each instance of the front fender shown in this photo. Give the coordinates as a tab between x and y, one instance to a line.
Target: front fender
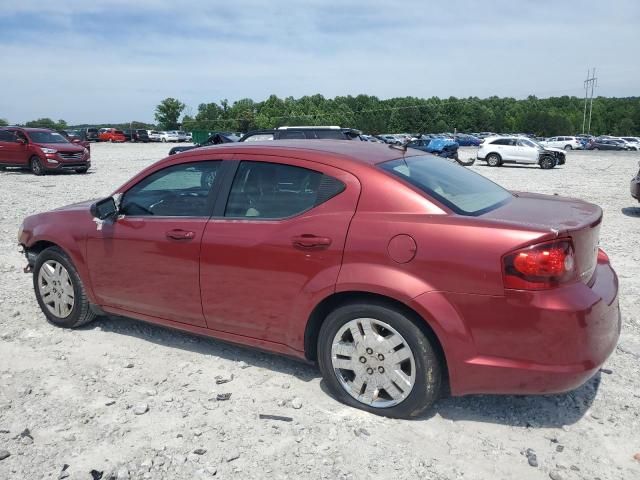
71	243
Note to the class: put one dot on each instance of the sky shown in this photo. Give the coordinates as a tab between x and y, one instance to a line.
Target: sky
93	62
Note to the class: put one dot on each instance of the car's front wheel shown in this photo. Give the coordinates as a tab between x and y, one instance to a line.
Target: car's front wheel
59	290
568	147
547	163
36	166
494	160
375	358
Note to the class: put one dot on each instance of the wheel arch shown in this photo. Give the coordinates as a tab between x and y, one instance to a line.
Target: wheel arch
338	299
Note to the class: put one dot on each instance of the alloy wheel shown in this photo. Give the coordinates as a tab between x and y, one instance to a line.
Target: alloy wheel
373	362
56	289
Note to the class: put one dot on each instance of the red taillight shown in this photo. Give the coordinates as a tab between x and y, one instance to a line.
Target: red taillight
602	256
540	266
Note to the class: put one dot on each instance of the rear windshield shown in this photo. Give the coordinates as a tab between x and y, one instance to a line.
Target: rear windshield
463	191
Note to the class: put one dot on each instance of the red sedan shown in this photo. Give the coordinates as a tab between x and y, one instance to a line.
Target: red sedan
391	269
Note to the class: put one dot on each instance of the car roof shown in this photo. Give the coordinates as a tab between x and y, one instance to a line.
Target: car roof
26	129
333	152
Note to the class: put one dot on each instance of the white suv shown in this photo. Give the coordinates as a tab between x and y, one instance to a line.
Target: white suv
633	143
566	143
499	150
171	136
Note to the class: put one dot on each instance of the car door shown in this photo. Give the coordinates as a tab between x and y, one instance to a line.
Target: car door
147	261
527	151
275	247
7	139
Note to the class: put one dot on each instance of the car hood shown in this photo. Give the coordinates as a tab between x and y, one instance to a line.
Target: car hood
85	205
62	147
553	149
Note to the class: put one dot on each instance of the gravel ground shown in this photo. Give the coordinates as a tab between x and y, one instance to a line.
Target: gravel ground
123	399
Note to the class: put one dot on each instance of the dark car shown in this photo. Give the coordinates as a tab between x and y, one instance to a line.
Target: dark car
214	139
91	134
41	150
136	135
635	186
606	144
303	133
394	270
465	140
441	146
76	137
282	133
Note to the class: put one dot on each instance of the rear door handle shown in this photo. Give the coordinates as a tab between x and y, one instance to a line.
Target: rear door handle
310	241
179	234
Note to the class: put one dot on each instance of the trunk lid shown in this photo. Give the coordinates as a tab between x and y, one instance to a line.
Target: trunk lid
557	217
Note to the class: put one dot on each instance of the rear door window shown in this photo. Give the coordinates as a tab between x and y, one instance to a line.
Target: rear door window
265	190
463	191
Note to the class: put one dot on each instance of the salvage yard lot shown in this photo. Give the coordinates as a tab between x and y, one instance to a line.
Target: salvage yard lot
121	396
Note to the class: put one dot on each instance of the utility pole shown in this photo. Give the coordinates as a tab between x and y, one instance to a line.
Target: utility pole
590	83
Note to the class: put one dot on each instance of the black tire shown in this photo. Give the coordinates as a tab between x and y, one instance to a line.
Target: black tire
568	147
81	312
163	140
81	170
595	148
36	166
493	160
428	368
547	163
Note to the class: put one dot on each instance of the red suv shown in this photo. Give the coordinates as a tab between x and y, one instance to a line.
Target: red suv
111	135
393	270
41	150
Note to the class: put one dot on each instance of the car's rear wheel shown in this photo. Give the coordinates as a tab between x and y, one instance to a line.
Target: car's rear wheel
59	290
595	148
494	160
568	147
547	163
36	166
375	358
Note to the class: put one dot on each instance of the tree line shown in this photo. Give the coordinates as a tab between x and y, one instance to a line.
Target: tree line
543	117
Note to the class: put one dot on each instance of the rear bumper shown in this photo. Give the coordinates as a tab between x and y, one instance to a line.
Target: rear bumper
535	342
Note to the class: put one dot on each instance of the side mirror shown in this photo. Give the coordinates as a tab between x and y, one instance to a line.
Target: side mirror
104	208
76	140
21	141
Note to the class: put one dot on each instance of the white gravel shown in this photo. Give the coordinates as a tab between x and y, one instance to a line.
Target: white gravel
133	400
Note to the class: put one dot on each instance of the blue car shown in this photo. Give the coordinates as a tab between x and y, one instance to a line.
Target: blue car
465	140
443	147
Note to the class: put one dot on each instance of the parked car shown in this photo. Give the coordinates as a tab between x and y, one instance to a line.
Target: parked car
111	135
214	139
41	150
635	186
357	256
76	137
154	135
128	137
91	134
189	136
137	135
303	133
566	143
633	143
465	140
606	144
169	137
497	151
440	146
182	136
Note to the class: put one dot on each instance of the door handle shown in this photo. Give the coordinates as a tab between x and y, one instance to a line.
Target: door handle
179	234
310	241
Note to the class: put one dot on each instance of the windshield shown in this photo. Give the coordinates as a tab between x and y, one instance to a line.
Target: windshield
47	137
463	191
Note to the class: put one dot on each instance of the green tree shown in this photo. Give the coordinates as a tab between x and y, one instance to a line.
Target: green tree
168	113
46	123
3	122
